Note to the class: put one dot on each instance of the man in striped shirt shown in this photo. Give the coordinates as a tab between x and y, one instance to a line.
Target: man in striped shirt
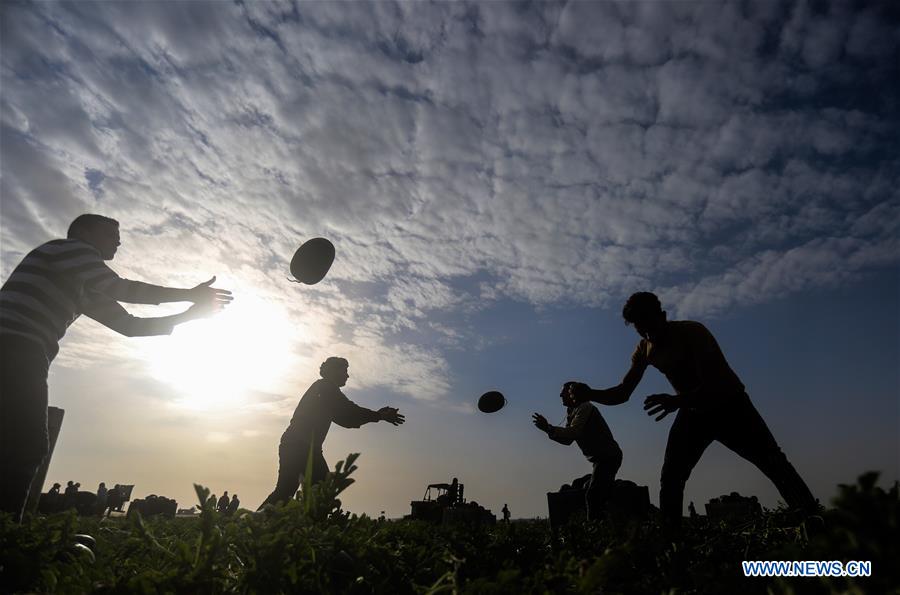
52	286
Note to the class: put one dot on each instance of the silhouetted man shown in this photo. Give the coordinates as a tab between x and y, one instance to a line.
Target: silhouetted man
322	404
70	495
233	505
587	428
222	505
51	502
453	492
711	403
506	513
102	494
52	286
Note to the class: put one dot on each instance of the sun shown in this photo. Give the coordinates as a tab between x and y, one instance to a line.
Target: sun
216	363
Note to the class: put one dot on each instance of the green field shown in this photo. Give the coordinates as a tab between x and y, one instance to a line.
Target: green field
311	546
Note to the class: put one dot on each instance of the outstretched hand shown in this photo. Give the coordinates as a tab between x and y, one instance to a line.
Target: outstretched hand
664	404
391	415
210	299
201	310
540	422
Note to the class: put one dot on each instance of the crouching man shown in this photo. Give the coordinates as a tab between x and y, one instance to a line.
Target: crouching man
586	427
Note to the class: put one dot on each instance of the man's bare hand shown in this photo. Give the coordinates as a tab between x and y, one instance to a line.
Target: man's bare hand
210	296
664	404
201	310
391	415
540	422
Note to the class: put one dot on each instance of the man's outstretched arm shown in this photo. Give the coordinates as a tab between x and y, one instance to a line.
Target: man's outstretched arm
92	272
573	430
112	315
615	395
350	415
138	292
541	423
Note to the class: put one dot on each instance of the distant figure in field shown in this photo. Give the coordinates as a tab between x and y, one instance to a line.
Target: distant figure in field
692	511
52	500
586	427
53	285
222	505
102	494
453	492
233	505
506	513
322	404
70	495
711	403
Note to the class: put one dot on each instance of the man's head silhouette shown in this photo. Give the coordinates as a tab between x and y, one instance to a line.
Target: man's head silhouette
568	395
644	311
100	232
335	370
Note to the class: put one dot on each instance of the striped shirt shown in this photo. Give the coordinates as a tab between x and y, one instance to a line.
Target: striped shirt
62	279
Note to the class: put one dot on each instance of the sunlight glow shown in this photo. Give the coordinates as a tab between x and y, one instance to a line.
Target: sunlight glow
214	363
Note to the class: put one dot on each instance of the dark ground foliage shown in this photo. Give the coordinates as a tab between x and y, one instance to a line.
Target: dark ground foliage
312	546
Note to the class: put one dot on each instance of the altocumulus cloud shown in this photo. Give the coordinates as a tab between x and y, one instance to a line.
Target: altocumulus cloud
459	153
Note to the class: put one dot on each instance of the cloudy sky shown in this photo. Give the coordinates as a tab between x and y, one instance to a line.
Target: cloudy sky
497	178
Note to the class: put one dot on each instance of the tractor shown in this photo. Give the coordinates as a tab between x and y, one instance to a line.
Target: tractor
443	503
